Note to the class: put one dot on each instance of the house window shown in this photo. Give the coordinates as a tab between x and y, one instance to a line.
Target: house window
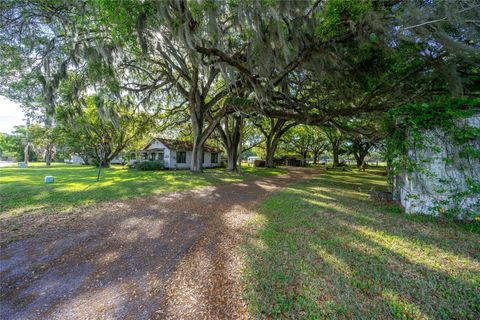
181	157
203	157
214	158
152	156
160	156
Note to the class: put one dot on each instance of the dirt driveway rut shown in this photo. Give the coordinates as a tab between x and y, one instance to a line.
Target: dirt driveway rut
172	256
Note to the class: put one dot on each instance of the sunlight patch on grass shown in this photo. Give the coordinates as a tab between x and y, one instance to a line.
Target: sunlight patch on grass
331	259
419	253
401	308
14	179
23	189
22	210
329	205
328	252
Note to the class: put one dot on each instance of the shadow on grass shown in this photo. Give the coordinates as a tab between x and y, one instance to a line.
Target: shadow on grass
115	262
324	250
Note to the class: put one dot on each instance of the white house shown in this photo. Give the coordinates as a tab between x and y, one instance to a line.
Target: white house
176	154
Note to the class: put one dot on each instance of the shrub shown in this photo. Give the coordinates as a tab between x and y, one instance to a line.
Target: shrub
149	165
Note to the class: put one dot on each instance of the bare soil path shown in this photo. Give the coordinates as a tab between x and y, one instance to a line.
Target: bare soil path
173	256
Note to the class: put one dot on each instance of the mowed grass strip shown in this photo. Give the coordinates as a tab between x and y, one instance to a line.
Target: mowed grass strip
323	250
23	190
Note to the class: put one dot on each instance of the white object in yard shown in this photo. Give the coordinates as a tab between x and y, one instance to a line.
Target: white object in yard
49	179
117	160
76	159
22	165
5	163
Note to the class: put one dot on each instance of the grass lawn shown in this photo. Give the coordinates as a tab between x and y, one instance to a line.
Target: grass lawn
323	250
23	190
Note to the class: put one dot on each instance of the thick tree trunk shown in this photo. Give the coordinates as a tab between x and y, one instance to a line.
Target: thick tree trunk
357	159
107	155
335	151
48	154
240	146
230	135
196	165
232	159
305	156
197	131
26	152
271	148
272	137
105	161
105	164
200	135
360	151
269	160
360	158
48	159
315	157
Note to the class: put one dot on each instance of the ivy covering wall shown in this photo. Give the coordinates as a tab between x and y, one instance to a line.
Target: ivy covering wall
434	157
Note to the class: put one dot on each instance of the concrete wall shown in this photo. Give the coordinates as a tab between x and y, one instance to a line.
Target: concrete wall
443	174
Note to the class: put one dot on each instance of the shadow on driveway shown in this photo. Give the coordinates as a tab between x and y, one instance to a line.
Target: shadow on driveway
138	258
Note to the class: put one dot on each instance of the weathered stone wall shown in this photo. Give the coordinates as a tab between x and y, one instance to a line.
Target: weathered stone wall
443	182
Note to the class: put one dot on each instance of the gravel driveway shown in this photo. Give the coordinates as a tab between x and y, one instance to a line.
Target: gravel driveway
174	256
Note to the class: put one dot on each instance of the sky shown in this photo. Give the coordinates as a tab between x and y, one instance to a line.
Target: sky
10	115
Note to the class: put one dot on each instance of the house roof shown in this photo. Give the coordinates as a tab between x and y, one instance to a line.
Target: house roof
180	145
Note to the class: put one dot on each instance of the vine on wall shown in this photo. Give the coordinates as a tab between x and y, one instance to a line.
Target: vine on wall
409	127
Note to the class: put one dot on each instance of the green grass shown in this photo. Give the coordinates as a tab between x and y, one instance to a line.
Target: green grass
23	190
323	250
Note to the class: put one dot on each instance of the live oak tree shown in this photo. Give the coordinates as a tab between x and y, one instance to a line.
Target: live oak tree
299	141
167	62
336	138
360	147
272	129
301	61
230	134
363	140
319	143
361	134
293	35
203	43
362	57
305	141
238	135
101	137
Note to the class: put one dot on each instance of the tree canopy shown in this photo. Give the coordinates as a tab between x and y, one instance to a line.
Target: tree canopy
309	61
